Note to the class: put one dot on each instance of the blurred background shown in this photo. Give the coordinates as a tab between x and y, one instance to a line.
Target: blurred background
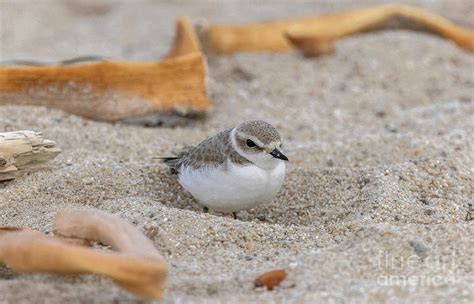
143	30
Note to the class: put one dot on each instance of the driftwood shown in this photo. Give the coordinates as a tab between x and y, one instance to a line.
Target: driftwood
137	266
116	90
316	35
185	40
111	90
24	150
65	240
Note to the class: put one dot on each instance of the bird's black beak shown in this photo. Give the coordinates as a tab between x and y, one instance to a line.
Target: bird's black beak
277	154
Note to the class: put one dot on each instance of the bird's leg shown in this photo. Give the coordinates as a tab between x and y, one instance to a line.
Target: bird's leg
205	209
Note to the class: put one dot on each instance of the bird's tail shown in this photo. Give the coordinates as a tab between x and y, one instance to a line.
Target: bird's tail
172	162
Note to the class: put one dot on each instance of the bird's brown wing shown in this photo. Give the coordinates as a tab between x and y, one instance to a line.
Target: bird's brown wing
211	151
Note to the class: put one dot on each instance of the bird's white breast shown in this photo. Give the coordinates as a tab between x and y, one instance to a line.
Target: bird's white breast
233	187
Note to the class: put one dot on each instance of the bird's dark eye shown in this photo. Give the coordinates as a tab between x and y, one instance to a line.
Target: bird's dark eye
250	143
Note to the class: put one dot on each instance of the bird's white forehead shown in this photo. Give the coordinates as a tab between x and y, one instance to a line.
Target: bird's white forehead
259	131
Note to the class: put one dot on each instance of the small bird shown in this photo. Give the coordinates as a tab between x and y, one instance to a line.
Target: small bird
236	169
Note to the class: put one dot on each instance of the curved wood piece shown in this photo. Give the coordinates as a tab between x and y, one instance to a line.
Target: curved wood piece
137	266
315	35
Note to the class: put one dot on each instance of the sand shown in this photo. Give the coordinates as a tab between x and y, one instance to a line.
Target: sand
379	189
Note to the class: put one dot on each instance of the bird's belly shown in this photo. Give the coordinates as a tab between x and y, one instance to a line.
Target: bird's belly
234	187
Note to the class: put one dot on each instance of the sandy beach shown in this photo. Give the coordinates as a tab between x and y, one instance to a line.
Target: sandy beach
378	198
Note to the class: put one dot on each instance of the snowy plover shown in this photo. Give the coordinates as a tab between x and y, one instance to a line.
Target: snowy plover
236	169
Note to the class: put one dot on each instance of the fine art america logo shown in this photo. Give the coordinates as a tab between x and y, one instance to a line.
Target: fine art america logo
418	269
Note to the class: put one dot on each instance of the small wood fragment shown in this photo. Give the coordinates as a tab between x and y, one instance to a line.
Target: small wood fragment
137	266
24	150
316	35
271	279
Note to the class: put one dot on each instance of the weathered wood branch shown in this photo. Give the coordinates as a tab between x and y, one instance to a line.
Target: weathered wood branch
316	35
24	150
136	266
111	90
116	90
